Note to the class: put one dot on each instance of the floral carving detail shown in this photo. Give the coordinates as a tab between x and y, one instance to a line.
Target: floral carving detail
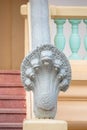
45	71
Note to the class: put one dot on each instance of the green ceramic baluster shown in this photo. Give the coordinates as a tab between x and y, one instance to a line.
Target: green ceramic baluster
85	39
59	38
75	40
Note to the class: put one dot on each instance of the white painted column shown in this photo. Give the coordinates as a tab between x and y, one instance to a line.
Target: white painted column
40	32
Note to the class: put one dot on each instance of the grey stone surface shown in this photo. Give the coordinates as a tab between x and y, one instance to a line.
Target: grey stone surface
45	71
40	31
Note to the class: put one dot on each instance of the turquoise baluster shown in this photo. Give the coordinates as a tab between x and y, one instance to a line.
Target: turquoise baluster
59	39
75	40
85	39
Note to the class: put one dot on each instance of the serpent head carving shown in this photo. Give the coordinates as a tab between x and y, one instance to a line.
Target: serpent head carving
45	71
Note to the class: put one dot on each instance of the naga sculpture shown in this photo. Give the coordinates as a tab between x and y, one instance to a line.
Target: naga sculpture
45	71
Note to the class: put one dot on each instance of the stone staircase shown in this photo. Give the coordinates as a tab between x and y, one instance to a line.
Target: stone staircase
12	101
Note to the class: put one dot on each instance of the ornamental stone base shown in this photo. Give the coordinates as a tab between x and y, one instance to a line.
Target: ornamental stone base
44	125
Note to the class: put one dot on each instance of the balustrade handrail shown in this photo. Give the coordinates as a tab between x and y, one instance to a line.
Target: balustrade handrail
62	11
68	12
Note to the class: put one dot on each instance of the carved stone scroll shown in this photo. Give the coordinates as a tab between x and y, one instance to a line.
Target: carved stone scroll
45	71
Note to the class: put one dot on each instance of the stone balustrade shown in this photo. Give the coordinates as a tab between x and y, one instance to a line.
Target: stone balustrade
74	40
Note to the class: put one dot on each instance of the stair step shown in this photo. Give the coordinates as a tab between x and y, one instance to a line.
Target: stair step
12	97
4	84
12	103
10	78
7	111
12	117
10	72
10	125
12	91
